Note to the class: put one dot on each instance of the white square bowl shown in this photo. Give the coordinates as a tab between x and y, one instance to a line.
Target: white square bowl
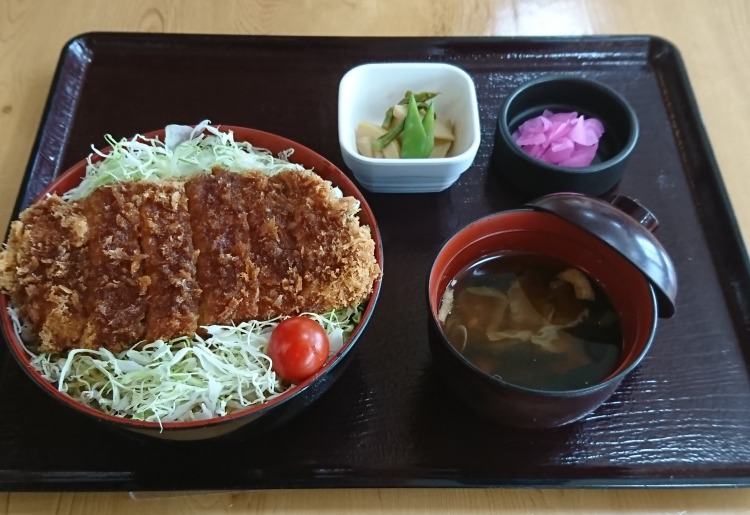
367	91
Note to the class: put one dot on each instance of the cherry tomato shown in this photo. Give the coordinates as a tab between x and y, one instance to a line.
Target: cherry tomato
298	347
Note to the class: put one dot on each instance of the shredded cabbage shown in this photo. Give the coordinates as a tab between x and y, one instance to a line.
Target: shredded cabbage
184	153
183	379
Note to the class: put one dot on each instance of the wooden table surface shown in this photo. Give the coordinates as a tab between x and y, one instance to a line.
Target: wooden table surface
714	39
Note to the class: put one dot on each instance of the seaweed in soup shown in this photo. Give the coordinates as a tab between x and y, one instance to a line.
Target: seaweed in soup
534	321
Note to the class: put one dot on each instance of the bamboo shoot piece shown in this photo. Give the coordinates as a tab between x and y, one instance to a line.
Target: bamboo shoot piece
442	146
399	113
367	133
443	130
364	146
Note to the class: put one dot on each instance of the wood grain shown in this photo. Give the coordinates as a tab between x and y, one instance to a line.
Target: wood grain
412	502
714	41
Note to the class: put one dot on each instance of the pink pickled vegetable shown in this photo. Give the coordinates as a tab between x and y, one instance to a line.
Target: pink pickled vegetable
564	139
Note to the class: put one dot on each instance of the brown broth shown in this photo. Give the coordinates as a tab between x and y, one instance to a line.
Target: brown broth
534	321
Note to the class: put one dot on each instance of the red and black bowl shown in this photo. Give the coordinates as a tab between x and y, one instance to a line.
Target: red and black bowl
257	418
610	246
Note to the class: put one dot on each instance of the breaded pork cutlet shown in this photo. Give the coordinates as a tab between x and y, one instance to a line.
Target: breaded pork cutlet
225	272
117	285
147	260
316	255
166	241
275	251
43	269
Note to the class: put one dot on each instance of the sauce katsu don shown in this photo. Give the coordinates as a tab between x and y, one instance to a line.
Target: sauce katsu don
155	287
158	259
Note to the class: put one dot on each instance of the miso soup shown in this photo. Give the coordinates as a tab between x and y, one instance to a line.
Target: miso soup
532	320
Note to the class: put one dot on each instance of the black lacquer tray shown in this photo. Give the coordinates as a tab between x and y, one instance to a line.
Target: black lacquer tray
682	419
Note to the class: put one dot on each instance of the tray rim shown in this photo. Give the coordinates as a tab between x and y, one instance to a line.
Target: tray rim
659	47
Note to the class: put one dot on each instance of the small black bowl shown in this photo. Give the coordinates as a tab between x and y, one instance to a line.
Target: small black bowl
565	94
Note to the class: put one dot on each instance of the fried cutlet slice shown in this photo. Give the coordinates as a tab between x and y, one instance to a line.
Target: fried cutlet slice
252	187
9	261
225	272
43	267
275	253
117	285
324	258
166	242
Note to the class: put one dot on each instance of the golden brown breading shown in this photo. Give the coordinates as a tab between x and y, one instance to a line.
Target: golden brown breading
9	262
329	258
275	251
117	285
43	268
166	242
154	260
227	276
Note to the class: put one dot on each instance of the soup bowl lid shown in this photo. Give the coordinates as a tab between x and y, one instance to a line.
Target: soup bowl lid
625	225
